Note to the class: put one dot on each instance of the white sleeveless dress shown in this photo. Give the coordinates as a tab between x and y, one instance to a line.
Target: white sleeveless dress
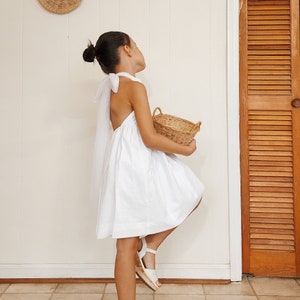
142	191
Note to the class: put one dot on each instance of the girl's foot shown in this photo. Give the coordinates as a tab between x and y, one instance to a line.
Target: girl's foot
146	265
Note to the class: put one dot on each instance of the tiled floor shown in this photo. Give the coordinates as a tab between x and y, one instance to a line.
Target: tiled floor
249	289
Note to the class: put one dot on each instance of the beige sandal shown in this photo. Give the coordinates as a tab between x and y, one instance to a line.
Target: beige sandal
147	275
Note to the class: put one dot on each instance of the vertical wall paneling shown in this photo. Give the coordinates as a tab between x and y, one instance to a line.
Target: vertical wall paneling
189	55
134	19
45	76
11	24
48	125
138	27
108	15
78	128
158	60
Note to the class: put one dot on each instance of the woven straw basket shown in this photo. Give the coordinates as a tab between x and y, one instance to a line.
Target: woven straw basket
178	130
60	6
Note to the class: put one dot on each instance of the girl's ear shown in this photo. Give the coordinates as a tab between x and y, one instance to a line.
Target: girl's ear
127	50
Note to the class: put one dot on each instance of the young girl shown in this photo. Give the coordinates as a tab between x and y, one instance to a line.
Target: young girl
144	190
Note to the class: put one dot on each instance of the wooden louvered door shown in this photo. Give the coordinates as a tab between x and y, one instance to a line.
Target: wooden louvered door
270	136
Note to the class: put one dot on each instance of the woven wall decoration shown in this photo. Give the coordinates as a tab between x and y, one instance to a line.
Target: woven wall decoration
60	6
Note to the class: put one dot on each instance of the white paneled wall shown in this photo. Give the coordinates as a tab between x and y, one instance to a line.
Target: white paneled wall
47	127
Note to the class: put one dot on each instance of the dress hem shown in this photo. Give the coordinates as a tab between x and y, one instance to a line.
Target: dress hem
148	232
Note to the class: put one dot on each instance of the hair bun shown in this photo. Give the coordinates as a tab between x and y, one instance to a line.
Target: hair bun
89	53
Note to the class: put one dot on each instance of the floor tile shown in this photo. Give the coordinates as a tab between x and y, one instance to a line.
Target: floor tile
230	297
3	287
275	286
86	288
138	297
41	288
110	297
76	297
181	289
110	288
25	297
234	288
142	288
179	297
278	298
144	297
256	288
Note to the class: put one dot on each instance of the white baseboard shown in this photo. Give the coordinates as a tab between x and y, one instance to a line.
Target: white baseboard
182	271
194	271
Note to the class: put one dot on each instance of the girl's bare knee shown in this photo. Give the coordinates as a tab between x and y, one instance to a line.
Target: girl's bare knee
127	245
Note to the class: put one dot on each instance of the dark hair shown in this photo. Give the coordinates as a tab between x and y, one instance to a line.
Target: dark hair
106	50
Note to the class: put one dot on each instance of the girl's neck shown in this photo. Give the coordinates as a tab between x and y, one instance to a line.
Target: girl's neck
120	69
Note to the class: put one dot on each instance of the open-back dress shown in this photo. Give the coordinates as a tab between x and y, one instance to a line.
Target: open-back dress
140	190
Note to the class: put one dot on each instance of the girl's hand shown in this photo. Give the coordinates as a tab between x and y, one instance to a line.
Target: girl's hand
191	148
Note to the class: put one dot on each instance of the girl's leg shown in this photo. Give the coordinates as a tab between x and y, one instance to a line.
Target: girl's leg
154	241
125	268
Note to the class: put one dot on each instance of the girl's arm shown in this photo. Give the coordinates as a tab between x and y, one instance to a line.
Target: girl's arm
152	139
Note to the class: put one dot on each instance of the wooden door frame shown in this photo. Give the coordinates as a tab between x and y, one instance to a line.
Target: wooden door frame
233	141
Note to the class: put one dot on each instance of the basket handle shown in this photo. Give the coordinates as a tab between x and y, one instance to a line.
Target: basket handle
197	126
157	109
